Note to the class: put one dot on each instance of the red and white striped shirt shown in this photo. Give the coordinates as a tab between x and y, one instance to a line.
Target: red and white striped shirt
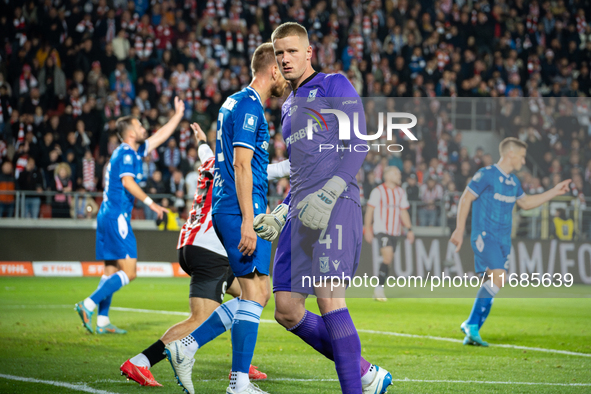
388	204
198	229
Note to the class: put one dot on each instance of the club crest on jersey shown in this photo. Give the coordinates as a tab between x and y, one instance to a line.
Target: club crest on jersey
324	267
312	95
501	179
250	122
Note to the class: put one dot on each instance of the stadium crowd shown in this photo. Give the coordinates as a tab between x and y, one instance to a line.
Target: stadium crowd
70	68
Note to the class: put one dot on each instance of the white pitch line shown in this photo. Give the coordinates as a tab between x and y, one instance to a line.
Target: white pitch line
396	334
390	333
77	387
491	382
407	380
537	349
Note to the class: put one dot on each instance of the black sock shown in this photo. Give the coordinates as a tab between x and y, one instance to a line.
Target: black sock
383	274
155	352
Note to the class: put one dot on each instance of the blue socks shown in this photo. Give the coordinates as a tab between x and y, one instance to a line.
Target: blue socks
219	322
245	329
483	303
111	285
104	305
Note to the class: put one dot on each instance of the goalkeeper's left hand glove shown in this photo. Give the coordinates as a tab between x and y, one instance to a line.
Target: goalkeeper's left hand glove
269	225
316	207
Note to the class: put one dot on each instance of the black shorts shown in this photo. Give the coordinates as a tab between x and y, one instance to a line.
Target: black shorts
385	240
209	271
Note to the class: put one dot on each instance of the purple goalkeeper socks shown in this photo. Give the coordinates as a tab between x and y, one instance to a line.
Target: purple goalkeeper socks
346	348
312	330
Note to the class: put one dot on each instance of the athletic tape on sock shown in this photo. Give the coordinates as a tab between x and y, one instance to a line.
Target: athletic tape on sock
226	312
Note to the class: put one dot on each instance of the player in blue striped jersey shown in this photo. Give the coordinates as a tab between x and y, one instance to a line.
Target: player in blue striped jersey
239	194
115	241
494	190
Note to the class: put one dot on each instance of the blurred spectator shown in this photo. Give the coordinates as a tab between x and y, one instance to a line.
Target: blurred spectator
451	198
155	185
431	193
31	180
62	183
83	206
177	188
7	186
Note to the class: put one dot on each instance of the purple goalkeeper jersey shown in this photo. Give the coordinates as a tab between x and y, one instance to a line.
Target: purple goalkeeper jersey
315	161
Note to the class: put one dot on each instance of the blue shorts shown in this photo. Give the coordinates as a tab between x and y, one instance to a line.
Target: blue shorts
489	253
303	252
114	238
227	227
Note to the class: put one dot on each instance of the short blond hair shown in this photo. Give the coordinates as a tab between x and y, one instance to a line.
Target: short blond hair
289	29
511	143
65	166
262	58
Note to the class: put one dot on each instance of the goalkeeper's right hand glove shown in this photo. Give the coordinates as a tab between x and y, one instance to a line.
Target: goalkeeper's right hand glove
269	225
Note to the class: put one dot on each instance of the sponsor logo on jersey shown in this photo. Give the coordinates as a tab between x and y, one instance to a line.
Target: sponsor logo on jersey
127	159
250	122
349	102
336	264
510	182
324	267
477	176
503	198
292	109
229	104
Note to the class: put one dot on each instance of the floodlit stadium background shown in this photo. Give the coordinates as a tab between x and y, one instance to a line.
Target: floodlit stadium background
68	69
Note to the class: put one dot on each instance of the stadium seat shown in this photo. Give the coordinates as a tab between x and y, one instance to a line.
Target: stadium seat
45	211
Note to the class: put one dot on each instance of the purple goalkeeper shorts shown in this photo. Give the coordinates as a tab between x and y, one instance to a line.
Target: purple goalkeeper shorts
303	253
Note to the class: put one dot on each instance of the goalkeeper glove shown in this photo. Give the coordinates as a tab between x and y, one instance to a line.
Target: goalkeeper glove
269	225
316	207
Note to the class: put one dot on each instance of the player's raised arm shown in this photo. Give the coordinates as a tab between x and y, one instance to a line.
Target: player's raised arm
534	201
132	187
204	151
243	171
457	237
168	129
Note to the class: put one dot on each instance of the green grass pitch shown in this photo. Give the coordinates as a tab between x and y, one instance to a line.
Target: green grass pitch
41	338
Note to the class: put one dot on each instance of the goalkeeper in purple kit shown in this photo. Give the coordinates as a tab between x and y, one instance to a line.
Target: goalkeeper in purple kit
323	230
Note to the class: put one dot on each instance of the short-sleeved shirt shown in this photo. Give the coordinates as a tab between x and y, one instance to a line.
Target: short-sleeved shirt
124	162
241	123
496	193
388	204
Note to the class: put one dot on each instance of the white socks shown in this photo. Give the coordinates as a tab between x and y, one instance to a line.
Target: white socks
239	381
102	321
369	375
89	304
140	361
